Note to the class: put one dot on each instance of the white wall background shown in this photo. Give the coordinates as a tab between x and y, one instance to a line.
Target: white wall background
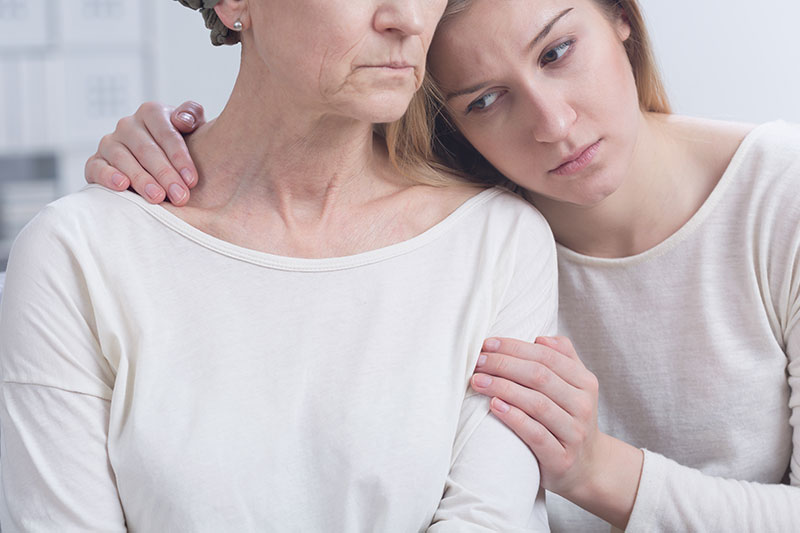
729	59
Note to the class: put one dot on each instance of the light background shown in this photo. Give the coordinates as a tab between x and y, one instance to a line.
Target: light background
70	68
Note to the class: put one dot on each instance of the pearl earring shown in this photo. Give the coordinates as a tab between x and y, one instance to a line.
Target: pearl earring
237	26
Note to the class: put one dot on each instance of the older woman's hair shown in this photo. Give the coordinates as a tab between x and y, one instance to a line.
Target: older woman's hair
454	153
220	34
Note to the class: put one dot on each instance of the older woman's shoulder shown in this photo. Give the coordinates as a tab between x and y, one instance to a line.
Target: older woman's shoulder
79	217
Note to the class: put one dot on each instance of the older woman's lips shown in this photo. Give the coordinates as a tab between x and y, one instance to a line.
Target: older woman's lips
578	162
390	66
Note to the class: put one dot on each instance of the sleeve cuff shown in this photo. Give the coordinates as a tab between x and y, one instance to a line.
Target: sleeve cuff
651	486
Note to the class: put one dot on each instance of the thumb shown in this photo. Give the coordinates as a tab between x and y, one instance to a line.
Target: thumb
188	116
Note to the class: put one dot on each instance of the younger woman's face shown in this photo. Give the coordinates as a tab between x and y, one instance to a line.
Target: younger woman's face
545	91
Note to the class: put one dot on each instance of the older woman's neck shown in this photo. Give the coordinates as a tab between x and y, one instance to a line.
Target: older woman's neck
265	148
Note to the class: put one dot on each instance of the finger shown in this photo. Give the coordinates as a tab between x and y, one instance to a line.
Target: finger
166	156
534	375
188	116
98	171
142	182
137	140
544	445
533	403
560	344
503	362
508	346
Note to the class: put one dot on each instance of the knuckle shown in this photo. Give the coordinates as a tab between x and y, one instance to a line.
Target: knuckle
540	375
125	123
106	141
149	107
536	435
165	175
547	357
540	404
592	384
140	179
115	152
176	155
501	364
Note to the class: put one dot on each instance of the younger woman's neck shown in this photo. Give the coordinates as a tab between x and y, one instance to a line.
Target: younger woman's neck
662	189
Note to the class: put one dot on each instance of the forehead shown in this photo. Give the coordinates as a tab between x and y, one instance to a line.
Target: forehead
477	39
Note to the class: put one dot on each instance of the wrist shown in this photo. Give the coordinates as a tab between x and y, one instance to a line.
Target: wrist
612	481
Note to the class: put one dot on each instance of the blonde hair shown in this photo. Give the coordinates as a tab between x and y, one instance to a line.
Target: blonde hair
425	138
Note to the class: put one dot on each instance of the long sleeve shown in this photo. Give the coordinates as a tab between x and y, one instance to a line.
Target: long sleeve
54	394
673	497
493	483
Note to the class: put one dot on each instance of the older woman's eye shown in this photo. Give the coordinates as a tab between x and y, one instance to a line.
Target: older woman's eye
483	102
554	54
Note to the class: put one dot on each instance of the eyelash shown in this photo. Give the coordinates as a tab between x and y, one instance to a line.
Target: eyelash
563	48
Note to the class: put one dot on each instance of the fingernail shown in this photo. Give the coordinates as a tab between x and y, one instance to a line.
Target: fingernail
152	191
481	360
491	344
482	380
177	193
187	176
188	118
118	179
500	405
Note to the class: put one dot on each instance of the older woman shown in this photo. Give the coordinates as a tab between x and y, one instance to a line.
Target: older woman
679	263
292	350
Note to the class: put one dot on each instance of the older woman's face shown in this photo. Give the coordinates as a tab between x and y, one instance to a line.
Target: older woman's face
358	58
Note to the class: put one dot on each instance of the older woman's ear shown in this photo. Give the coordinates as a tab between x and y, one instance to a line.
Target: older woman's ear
234	14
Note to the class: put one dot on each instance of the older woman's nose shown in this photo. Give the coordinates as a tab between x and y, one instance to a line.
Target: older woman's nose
401	16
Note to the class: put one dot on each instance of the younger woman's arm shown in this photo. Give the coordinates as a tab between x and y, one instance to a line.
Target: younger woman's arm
147	152
545	394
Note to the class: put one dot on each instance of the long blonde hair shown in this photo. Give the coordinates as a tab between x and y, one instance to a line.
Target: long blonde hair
427	147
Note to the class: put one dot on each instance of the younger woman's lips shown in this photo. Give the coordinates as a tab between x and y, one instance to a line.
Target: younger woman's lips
579	163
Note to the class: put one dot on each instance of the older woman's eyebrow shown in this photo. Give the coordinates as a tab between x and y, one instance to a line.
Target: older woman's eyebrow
541	35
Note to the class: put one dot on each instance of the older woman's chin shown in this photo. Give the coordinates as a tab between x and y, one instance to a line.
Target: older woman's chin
380	107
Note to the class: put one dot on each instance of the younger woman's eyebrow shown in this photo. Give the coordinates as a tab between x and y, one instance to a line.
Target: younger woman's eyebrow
541	35
546	30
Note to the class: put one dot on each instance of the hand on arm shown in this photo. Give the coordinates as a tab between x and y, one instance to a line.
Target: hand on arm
148	153
546	395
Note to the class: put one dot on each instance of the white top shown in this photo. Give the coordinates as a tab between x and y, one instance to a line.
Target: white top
696	345
155	374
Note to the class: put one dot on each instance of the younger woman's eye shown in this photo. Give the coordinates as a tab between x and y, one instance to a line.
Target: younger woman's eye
483	102
554	54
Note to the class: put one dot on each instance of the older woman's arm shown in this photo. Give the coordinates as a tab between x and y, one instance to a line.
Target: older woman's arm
494	481
54	394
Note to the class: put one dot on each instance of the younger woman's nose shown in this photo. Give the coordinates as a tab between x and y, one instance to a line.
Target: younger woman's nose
550	114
